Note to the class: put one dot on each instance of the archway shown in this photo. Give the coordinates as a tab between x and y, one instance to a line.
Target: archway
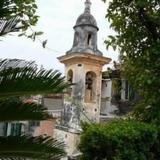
70	76
90	87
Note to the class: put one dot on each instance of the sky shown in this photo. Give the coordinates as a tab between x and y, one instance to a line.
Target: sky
57	18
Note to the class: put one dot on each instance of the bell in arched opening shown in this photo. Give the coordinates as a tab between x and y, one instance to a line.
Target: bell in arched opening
70	76
90	87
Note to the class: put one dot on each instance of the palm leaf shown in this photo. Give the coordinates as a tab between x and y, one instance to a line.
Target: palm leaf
16	110
20	147
7	26
28	80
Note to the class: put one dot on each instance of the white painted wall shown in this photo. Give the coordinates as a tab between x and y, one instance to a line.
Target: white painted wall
70	139
106	88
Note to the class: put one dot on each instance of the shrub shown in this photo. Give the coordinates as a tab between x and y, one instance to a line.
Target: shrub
120	140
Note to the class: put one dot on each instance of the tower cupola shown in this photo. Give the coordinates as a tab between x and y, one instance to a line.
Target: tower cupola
85	37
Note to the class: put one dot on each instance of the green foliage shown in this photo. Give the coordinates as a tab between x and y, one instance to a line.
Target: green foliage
120	140
19	16
28	80
137	27
20	81
21	147
116	89
147	114
14	109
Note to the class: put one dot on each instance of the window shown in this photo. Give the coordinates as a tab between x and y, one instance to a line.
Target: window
89	39
76	39
16	129
5	128
34	123
126	90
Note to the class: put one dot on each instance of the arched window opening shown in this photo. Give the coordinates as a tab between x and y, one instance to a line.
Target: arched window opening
76	39
89	39
90	87
70	81
70	76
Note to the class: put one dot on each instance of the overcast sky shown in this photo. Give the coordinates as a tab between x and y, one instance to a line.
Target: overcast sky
57	18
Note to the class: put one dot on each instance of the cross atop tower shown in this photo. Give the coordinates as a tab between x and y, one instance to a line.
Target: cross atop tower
87	6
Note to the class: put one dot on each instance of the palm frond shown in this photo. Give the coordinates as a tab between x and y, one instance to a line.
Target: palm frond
14	109
23	81
20	147
8	26
16	63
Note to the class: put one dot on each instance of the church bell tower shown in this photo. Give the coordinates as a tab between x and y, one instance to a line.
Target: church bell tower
83	64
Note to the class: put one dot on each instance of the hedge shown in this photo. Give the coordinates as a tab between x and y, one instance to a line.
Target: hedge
120	140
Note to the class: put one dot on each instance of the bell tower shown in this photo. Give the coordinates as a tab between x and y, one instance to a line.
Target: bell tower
83	64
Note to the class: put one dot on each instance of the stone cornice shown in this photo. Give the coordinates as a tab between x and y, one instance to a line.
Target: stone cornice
82	58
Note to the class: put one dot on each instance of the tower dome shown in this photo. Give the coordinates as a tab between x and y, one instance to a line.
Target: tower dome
85	37
86	19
